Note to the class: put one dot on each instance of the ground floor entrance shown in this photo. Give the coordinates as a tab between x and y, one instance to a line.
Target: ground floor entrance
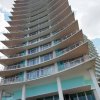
87	95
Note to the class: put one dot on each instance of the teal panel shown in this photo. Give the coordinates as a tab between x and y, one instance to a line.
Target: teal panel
21	75
75	82
60	65
42	89
16	95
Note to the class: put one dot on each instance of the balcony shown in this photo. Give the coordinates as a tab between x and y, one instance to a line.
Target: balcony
29	9
56	42
38	60
46	71
67	19
26	17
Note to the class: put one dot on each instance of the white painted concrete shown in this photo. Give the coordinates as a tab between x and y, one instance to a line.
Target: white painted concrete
23	92
96	86
60	92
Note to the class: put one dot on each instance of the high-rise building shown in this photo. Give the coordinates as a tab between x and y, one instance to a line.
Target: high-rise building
48	56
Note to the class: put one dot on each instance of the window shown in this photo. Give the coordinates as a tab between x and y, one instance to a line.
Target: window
81	96
33	61
73	97
90	95
45	46
33	50
33	41
41	72
46	57
45	36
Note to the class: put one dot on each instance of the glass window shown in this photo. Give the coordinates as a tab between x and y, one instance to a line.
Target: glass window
40	99
49	98
45	36
90	95
45	46
73	97
33	61
56	97
33	50
81	96
33	41
46	57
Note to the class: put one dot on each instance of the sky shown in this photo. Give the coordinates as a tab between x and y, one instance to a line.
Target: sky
87	12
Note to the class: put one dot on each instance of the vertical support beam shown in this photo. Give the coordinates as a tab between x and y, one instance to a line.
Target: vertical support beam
95	94
56	67
60	92
23	92
93	77
0	94
25	75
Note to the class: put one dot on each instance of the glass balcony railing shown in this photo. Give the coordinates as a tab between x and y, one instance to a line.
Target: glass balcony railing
45	71
15	66
41	72
46	58
12	80
44	47
60	52
68	64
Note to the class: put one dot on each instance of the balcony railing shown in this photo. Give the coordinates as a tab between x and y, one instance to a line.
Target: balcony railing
43	72
11	80
39	50
60	52
38	60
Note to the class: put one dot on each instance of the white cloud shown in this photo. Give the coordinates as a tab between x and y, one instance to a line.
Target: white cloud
3	23
5	6
88	14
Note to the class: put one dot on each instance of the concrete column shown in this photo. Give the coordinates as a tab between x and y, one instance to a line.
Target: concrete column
54	54
23	92
96	96
56	67
60	92
97	88
25	75
0	94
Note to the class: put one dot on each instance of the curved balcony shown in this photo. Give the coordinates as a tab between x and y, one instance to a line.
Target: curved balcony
47	40
56	45
26	9
28	2
21	2
81	64
50	48
45	20
20	36
53	21
62	22
21	17
31	8
59	25
53	13
73	53
73	28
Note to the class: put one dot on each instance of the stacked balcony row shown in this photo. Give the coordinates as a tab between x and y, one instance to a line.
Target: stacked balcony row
45	71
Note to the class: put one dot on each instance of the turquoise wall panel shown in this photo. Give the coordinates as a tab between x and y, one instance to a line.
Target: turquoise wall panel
42	89
52	87
16	95
75	82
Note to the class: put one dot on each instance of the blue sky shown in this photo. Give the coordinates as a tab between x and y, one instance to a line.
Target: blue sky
86	11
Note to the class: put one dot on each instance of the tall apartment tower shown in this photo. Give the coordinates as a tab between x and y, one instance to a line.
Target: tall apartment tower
48	57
